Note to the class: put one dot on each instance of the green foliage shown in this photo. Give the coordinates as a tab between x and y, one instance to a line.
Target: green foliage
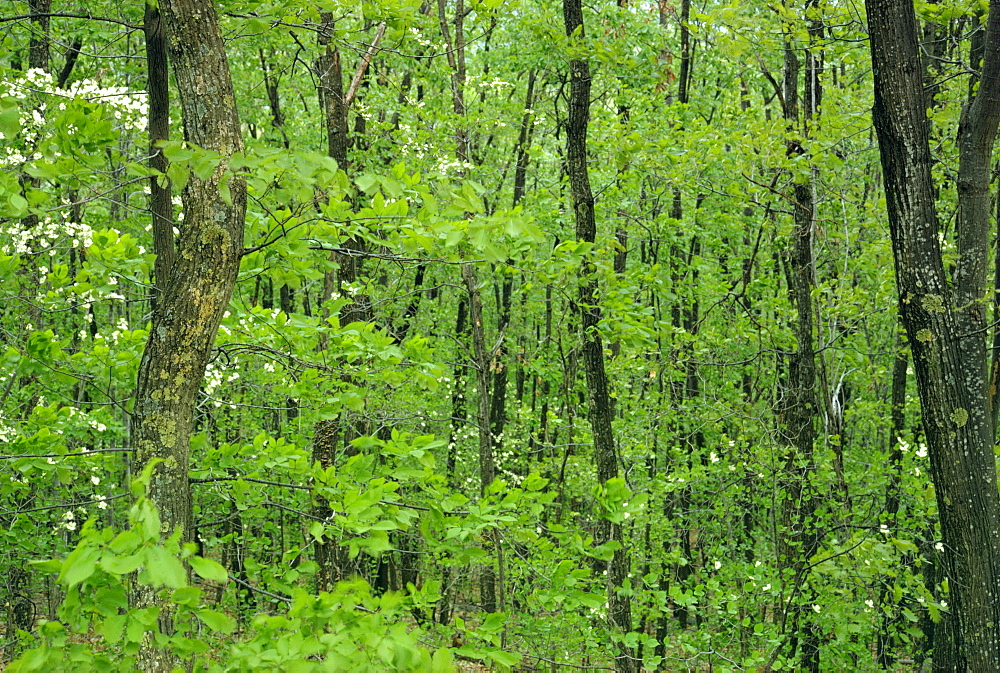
346	316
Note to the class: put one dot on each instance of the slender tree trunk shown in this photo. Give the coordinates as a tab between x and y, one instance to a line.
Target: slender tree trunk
883	651
487	464
946	322
800	410
158	86
20	612
38	46
599	399
200	283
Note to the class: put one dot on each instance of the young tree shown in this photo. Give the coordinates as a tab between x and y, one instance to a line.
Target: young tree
945	318
598	396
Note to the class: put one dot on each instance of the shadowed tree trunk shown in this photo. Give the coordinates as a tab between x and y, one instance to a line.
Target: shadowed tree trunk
800	537
945	320
599	399
200	284
158	86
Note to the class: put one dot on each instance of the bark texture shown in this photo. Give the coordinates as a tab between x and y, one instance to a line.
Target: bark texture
945	322
158	87
801	538
592	348
200	282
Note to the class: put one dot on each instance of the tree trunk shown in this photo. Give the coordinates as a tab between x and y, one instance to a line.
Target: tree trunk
158	86
487	464
200	283
945	322
800	537
599	399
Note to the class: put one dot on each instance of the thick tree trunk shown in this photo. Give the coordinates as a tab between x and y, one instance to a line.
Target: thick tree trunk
599	399
201	279
945	323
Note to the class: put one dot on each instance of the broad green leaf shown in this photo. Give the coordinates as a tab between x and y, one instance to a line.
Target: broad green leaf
163	568
208	569
217	621
79	565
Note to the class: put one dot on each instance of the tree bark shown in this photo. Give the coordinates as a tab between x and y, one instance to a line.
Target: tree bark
945	322
158	87
599	399
200	283
801	538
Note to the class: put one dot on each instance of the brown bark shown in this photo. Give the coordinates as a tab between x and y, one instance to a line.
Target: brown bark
332	434
158	87
200	283
487	466
456	61
331	92
945	322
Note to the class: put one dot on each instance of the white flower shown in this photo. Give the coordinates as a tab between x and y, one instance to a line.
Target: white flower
95	480
816	608
718	565
870	603
939	546
713	457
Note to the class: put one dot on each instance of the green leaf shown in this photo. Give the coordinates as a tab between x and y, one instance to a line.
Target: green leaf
121	565
10	123
113	627
18	205
217	621
164	568
505	659
189	596
378	542
48	566
209	569
79	565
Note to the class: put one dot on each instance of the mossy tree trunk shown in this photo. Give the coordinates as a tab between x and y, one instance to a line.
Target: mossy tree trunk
200	282
945	319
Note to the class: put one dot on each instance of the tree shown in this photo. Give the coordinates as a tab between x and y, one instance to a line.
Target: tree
598	395
200	282
945	318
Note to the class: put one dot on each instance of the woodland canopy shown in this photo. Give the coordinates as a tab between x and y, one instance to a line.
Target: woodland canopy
464	334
